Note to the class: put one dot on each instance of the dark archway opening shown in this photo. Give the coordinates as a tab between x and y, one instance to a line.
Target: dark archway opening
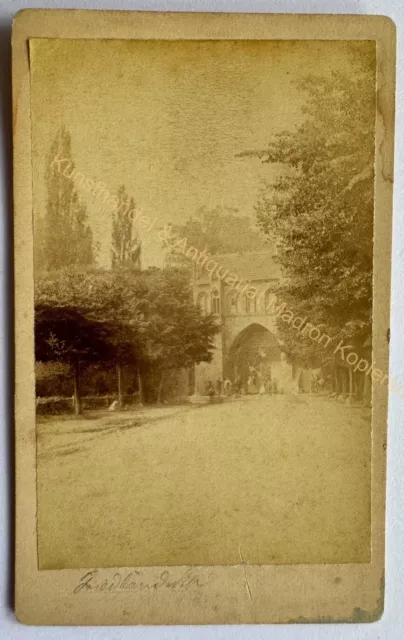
251	357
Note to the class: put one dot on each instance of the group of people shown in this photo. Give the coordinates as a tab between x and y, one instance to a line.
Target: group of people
253	386
218	388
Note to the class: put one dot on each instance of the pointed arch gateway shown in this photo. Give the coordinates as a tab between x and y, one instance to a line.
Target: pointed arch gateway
255	349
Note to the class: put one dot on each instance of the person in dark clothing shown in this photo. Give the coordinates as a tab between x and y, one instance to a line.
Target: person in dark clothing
209	390
237	386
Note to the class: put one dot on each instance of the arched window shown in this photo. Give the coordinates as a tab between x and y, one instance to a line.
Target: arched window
201	302
215	302
268	300
232	302
250	304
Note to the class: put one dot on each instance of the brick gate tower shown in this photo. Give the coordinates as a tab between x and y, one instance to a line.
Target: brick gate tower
248	336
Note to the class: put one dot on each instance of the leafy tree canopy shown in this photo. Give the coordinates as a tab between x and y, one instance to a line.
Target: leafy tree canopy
149	316
126	247
218	231
177	333
320	210
62	236
64	334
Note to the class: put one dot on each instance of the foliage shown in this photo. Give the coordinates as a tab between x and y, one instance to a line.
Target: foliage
145	318
62	237
177	333
320	211
100	296
218	231
126	246
65	334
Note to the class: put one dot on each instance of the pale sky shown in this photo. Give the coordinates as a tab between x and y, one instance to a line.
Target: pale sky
167	118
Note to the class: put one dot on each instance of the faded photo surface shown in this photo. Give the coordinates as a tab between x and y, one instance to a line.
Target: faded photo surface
203	255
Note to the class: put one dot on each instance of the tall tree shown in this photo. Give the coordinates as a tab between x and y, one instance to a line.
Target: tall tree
126	246
65	334
217	230
62	237
84	316
143	318
320	210
177	333
125	254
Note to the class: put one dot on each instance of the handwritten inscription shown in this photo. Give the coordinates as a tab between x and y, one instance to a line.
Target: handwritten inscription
93	582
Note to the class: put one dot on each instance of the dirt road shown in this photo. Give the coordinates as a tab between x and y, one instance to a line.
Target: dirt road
275	479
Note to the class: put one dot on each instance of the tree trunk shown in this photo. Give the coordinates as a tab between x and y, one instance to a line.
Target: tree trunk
344	382
195	380
192	387
76	393
160	389
119	377
140	383
367	392
351	394
336	381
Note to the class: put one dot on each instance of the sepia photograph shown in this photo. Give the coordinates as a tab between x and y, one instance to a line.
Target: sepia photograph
202	241
203	260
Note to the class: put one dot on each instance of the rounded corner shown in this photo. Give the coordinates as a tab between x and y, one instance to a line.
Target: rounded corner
19	16
389	25
21	617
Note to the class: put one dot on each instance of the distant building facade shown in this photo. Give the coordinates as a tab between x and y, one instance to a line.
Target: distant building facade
247	348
